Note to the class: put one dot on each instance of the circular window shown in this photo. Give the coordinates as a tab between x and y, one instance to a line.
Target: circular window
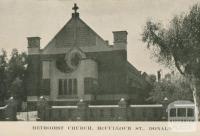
62	65
73	59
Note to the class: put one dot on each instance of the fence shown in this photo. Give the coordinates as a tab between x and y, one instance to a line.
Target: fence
2	112
84	112
9	111
27	116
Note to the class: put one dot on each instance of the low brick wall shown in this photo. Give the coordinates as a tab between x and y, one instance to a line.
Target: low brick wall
84	112
2	113
145	113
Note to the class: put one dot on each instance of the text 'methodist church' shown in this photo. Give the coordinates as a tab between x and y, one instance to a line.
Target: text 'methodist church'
79	64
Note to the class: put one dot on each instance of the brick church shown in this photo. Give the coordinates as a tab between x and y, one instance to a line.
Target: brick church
79	64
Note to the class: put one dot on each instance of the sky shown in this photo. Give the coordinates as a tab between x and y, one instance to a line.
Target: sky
20	19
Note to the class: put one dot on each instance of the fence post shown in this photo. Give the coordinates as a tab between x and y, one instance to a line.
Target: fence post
81	111
122	116
11	110
42	108
164	109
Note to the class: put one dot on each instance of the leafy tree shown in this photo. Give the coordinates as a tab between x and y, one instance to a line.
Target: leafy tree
3	64
178	90
16	74
178	44
152	79
12	75
16	64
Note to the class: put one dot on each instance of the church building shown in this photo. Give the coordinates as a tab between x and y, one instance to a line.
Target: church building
79	64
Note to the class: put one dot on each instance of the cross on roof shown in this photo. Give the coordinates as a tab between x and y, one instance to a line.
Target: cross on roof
75	8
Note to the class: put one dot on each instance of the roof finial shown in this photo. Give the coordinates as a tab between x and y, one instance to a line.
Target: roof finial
75	8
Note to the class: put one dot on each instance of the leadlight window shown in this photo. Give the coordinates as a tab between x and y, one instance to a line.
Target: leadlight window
70	86
67	86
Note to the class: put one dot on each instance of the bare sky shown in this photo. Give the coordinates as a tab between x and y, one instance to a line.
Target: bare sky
25	18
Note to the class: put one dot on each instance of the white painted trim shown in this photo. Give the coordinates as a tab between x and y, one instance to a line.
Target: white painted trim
4	107
103	106
63	107
153	105
65	99
184	105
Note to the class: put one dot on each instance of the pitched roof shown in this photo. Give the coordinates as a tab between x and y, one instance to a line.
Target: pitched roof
75	33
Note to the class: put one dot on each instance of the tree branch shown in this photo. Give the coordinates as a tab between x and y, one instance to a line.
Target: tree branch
177	65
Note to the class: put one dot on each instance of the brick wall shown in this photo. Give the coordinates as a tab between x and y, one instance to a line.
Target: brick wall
118	112
33	76
111	71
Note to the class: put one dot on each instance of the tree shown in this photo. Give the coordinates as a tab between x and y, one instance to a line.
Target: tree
12	75
16	74
16	64
3	64
178	90
178	45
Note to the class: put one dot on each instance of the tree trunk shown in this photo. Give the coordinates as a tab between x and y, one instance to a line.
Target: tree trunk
196	102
